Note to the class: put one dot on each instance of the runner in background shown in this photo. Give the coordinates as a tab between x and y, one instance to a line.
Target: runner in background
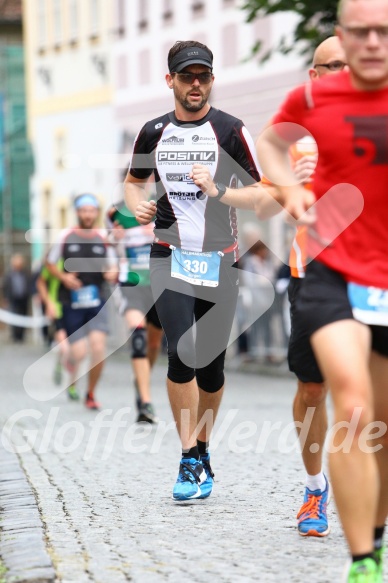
48	287
133	246
87	265
328	59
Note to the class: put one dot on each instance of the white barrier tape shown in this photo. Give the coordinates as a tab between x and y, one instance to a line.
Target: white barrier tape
23	321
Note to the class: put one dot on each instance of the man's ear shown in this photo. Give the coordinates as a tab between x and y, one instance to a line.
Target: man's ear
313	73
338	31
169	80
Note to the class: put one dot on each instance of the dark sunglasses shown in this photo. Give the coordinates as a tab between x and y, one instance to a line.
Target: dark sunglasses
333	66
189	78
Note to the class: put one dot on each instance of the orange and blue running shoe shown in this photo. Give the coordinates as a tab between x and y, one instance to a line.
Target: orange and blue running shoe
312	517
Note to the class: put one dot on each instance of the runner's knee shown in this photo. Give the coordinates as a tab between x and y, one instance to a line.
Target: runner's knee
138	343
180	375
211	385
211	378
178	371
181	359
312	393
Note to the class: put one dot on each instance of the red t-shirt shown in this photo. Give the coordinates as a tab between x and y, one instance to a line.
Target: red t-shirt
351	130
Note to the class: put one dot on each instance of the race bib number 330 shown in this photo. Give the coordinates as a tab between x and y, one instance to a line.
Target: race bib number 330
196	268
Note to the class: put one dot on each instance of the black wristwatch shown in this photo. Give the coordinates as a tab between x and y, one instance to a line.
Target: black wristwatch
221	190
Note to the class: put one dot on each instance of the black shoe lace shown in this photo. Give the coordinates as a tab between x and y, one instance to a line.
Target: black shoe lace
188	473
207	468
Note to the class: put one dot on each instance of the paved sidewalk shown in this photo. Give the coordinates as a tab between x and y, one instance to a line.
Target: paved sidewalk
104	493
22	542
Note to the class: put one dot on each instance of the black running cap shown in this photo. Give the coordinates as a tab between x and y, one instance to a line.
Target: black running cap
190	56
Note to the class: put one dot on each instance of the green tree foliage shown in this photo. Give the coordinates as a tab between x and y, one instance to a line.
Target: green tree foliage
317	20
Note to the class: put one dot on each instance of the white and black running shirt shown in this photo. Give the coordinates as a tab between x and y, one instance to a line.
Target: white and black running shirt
168	148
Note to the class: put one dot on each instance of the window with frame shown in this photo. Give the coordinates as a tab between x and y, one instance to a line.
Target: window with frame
144	67
63	217
57	22
120	17
41	24
230	45
198	8
73	21
143	15
94	14
262	30
122	71
168	12
60	149
46	204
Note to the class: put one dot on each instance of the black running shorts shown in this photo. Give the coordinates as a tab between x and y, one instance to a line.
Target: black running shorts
323	300
139	298
301	359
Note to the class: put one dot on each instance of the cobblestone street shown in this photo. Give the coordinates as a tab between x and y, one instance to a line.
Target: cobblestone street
103	486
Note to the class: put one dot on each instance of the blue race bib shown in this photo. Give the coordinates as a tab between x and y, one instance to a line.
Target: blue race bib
196	268
139	257
85	297
136	271
369	304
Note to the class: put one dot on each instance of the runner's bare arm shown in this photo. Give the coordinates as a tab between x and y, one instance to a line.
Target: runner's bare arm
50	307
69	280
242	198
268	201
304	168
274	159
41	287
111	268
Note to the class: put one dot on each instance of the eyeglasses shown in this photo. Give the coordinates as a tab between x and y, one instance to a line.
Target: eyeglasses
189	78
361	33
333	66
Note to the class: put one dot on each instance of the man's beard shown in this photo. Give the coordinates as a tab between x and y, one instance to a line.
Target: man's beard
86	224
192	106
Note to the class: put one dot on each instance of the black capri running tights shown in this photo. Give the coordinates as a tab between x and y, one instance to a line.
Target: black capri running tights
199	351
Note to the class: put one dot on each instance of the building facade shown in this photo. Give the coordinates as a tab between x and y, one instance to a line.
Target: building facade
96	72
15	152
244	87
71	116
